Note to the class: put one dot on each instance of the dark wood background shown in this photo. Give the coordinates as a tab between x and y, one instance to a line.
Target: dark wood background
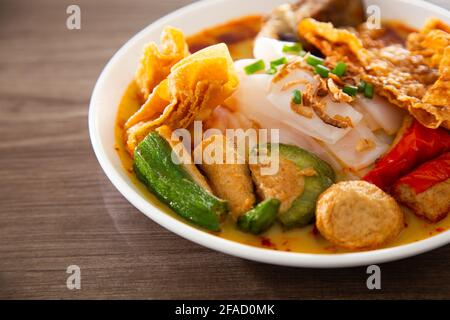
57	208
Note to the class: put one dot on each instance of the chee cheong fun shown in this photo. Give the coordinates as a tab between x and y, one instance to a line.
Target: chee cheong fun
356	119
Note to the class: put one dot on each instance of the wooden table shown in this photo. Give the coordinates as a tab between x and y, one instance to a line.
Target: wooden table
57	208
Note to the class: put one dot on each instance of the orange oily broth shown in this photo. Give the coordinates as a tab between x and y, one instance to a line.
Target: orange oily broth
306	240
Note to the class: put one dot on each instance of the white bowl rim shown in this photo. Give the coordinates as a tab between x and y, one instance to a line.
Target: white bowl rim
233	248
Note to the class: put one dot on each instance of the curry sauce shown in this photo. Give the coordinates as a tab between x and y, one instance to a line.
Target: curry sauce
304	240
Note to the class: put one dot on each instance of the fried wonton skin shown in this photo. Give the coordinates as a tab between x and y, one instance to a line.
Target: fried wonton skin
156	63
195	86
408	80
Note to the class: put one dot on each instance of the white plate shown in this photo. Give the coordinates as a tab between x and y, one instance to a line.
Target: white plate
118	73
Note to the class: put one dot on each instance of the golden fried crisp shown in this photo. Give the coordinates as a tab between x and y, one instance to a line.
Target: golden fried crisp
194	87
408	79
435	24
155	64
333	41
443	82
439	94
433	42
430	45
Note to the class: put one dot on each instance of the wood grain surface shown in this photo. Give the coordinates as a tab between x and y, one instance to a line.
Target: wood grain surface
57	208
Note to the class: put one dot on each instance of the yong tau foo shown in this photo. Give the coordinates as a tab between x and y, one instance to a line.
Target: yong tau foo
351	143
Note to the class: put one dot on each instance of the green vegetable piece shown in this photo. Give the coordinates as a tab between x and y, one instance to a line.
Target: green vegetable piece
278	62
260	218
274	64
340	69
255	67
272	71
322	71
297	96
369	91
302	211
172	184
350	90
362	86
312	60
295	48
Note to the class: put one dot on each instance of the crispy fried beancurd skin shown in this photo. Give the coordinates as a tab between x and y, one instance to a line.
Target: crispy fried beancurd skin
433	43
156	63
430	42
194	87
439	93
415	80
358	215
230	181
333	41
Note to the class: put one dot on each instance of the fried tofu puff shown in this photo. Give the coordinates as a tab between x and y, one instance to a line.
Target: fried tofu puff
230	180
358	215
426	190
432	204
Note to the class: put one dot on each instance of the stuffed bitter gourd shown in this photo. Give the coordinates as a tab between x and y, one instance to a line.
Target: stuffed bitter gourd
302	211
312	176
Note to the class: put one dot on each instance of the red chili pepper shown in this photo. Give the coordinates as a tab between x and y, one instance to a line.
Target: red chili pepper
428	174
266	242
418	145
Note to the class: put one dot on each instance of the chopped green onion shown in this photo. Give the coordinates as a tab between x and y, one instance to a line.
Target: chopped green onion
322	70
350	90
312	60
302	53
295	48
297	96
362	86
369	91
278	62
271	71
340	69
255	67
